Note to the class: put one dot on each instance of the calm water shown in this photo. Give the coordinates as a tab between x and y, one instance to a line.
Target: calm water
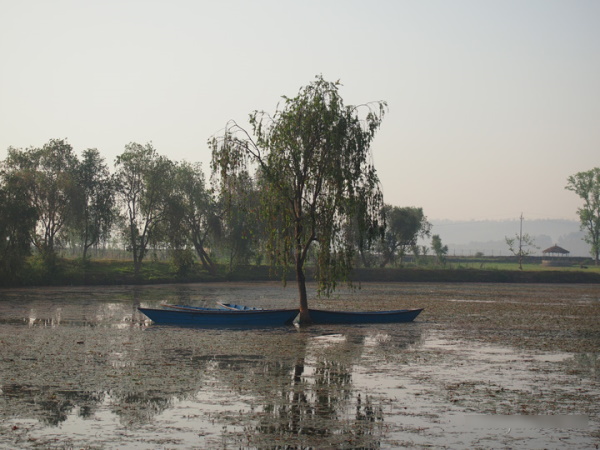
83	368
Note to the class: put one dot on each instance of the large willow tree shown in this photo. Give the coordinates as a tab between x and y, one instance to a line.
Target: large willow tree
318	184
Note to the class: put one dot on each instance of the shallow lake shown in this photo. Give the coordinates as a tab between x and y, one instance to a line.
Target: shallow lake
484	366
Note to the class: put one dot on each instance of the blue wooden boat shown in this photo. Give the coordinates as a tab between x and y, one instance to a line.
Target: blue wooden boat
188	307
234	307
321	316
219	317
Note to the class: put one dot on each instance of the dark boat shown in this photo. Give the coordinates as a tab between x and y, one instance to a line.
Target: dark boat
332	317
220	317
188	307
320	316
234	307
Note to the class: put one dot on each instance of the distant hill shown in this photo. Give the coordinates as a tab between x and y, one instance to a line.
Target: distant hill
488	236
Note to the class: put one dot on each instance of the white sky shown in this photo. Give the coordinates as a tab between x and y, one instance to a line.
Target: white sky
492	104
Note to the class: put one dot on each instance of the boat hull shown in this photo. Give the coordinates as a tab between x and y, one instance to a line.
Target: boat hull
201	317
319	316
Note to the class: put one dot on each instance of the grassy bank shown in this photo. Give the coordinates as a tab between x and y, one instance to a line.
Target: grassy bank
118	272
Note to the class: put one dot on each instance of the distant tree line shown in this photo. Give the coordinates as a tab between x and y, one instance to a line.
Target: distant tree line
51	199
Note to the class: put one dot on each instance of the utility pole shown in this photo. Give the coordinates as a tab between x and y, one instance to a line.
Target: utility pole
524	247
521	242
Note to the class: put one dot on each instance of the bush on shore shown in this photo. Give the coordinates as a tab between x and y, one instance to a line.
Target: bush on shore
118	272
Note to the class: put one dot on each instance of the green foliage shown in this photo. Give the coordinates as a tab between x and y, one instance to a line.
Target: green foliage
587	186
183	261
143	182
47	185
17	225
191	213
240	231
521	245
114	272
96	212
404	226
440	250
316	177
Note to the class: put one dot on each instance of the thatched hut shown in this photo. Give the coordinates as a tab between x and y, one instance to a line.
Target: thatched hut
555	256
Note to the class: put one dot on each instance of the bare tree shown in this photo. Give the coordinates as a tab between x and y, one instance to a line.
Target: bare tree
521	245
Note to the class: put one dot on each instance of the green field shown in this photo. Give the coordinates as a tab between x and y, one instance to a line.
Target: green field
120	272
502	265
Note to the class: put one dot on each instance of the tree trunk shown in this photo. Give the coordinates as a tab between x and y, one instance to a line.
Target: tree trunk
137	266
364	260
520	261
304	317
134	249
205	259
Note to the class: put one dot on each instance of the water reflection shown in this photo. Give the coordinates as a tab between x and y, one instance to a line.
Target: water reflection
82	360
317	406
80	368
50	407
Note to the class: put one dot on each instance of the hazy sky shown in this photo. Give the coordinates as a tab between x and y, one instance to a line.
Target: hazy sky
492	104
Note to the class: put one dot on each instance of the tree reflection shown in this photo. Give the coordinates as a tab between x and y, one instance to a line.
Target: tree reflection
316	404
48	406
294	388
137	408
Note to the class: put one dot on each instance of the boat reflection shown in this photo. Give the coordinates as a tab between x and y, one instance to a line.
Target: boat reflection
67	363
